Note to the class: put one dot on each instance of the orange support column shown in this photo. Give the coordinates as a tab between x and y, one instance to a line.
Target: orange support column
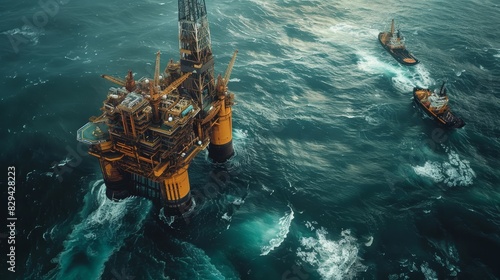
118	183
221	140
177	192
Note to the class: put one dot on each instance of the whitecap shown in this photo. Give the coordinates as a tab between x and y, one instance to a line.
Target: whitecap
104	226
284	224
454	172
62	162
72	58
369	242
447	256
168	220
429	274
28	175
459	73
310	225
25	33
332	259
226	217
238	201
267	189
240	134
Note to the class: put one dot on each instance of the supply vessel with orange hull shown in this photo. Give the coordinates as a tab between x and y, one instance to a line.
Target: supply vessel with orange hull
152	128
396	47
435	105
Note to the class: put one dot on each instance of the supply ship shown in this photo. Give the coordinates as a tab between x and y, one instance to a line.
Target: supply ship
396	47
435	105
150	129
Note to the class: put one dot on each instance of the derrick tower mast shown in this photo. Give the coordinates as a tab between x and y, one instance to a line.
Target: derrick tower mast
196	56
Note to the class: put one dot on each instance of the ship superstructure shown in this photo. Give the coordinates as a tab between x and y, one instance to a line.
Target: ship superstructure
394	43
151	129
435	105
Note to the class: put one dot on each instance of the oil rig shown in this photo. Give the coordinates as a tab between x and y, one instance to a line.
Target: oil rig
151	129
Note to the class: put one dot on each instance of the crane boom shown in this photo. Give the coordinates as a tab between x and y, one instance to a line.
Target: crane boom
175	84
230	68
157	72
115	80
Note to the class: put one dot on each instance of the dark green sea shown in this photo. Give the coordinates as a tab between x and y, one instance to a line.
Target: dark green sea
337	175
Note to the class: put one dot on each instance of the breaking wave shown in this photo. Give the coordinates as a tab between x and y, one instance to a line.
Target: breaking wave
101	233
284	228
332	259
454	172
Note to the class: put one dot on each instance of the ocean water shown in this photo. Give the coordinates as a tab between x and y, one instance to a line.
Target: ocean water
336	174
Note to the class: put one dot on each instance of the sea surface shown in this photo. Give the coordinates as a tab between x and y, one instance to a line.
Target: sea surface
336	175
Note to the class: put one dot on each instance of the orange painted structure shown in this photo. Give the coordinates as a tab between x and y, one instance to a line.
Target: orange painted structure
152	128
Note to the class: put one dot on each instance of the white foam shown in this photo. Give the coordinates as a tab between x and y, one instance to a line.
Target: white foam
369	242
371	64
267	189
49	233
429	274
452	268
454	172
168	220
406	80
332	259
403	78
62	162
101	232
73	58
238	201
28	175
284	224
459	72
447	256
25	32
240	134
310	225
226	217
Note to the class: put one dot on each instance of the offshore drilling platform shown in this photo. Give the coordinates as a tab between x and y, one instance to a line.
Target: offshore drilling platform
151	129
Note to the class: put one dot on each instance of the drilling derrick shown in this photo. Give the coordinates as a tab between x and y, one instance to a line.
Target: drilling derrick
196	57
151	129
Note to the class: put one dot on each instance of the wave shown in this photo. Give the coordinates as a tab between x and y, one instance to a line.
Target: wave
25	33
403	78
429	274
454	172
284	228
102	231
332	259
447	256
196	264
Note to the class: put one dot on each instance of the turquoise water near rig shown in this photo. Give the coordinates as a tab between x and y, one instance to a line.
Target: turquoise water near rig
336	174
